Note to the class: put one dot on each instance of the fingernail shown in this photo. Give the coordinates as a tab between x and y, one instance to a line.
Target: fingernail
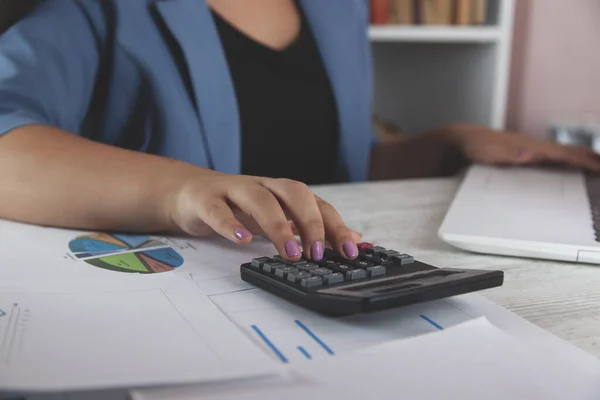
316	251
292	249
241	233
350	249
524	153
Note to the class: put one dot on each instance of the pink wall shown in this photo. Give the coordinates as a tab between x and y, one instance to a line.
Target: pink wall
556	63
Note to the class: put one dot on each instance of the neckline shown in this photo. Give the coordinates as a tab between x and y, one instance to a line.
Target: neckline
221	21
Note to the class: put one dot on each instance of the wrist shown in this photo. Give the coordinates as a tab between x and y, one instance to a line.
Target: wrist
454	135
177	178
453	141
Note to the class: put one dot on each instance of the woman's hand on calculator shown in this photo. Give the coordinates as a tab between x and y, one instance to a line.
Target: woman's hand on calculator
238	206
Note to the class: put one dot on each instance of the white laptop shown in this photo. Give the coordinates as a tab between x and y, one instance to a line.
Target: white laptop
526	212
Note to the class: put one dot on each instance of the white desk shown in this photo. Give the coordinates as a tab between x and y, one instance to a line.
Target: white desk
562	298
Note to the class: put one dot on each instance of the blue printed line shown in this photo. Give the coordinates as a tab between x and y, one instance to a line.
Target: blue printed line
2	313
269	344
315	337
432	322
304	352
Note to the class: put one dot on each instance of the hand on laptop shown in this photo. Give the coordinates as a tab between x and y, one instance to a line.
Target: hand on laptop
487	146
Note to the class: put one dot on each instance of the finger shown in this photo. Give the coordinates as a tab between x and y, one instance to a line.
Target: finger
515	155
302	207
217	215
337	233
586	160
525	156
577	157
260	204
248	221
357	237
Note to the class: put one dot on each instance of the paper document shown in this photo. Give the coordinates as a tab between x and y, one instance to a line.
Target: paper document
471	361
292	334
137	331
31	254
283	332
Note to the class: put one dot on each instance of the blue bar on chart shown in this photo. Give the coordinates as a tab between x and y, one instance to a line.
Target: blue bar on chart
315	337
432	322
304	352
270	344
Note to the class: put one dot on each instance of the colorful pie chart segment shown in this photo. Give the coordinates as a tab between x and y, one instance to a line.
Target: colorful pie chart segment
96	243
125	253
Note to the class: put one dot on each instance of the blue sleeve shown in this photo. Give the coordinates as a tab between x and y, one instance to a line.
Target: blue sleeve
375	141
48	66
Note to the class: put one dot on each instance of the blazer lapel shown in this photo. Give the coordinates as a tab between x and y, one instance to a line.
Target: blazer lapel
191	23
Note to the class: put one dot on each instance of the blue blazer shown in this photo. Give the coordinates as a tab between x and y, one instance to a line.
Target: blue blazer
151	75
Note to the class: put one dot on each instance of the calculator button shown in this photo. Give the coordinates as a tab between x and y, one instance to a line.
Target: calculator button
364	245
294	276
342	268
329	252
376	260
280	259
333	279
258	262
282	272
311	282
403	259
361	264
375	249
388	253
329	264
377	270
270	267
356	274
368	257
308	267
321	271
300	263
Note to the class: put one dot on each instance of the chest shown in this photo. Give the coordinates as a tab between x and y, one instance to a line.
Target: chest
170	70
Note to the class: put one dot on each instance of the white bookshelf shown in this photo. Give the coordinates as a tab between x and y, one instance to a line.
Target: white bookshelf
434	34
427	76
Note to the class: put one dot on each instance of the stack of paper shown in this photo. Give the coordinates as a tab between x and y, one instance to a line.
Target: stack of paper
132	332
76	314
470	361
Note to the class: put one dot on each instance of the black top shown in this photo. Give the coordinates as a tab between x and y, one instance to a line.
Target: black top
288	114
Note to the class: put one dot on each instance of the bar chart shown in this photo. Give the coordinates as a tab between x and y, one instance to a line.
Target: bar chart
293	334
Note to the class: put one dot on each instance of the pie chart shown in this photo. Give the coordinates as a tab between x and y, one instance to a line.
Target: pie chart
125	253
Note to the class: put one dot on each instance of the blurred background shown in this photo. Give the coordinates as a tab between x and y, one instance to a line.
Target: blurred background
523	65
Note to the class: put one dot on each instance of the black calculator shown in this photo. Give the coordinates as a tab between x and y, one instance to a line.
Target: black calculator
378	279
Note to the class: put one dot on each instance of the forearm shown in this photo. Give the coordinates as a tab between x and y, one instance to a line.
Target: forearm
50	177
428	154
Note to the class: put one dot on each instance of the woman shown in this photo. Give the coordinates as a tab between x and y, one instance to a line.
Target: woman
148	115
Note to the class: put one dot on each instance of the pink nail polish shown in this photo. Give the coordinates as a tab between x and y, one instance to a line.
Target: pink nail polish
292	249
524	153
241	233
350	250
316	251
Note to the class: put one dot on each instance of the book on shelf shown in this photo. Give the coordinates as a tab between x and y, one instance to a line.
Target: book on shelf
381	11
435	12
429	12
479	12
464	10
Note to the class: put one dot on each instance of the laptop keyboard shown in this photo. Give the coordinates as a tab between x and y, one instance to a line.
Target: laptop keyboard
593	189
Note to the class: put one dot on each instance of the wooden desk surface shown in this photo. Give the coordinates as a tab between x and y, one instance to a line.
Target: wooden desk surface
563	298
